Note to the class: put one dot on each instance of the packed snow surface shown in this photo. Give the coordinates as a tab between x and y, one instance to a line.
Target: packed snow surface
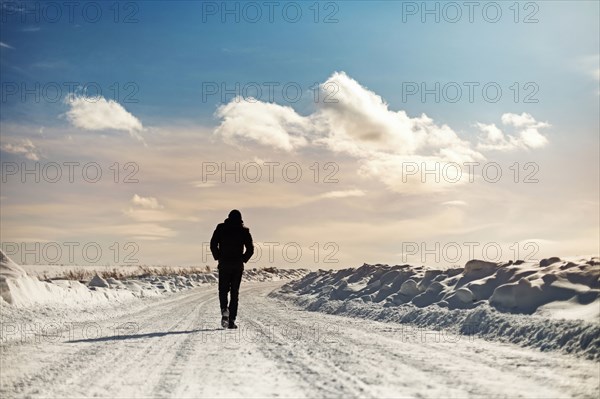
173	347
553	304
159	336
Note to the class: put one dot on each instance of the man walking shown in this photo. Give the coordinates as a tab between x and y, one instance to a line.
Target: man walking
227	246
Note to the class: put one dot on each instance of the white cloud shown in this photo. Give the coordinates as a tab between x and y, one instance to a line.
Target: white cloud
4	45
527	135
268	124
204	184
354	120
146	202
357	119
523	120
148	209
455	203
344	194
23	147
97	113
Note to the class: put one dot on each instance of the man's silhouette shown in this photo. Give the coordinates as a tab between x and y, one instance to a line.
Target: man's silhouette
227	247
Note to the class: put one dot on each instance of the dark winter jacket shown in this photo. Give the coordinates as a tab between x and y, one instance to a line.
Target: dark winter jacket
228	242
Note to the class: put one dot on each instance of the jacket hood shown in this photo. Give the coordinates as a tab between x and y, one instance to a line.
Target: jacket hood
233	222
234	217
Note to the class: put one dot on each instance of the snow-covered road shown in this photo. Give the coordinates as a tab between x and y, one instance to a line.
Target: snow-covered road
174	348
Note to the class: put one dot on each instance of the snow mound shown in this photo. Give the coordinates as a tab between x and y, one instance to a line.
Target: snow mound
9	271
553	304
19	289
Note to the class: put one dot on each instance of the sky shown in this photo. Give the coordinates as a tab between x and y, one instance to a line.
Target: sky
345	132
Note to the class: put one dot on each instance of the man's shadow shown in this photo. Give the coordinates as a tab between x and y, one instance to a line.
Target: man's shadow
141	336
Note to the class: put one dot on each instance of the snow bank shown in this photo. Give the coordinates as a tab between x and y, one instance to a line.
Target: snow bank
9	271
19	289
553	304
31	309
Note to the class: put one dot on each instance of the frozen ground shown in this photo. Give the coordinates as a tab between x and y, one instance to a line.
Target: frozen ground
112	343
172	347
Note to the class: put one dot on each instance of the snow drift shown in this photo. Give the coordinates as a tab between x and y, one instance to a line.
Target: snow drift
9	272
19	289
553	304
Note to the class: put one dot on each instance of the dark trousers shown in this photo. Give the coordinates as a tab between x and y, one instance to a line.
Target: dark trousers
230	278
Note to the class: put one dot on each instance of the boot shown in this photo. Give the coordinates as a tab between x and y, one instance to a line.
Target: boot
225	318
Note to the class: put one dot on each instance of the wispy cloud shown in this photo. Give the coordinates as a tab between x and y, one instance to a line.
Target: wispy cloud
455	203
204	184
344	194
146	202
144	231
148	209
5	45
23	147
49	64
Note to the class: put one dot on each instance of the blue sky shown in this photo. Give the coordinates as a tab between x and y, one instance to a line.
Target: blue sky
171	50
